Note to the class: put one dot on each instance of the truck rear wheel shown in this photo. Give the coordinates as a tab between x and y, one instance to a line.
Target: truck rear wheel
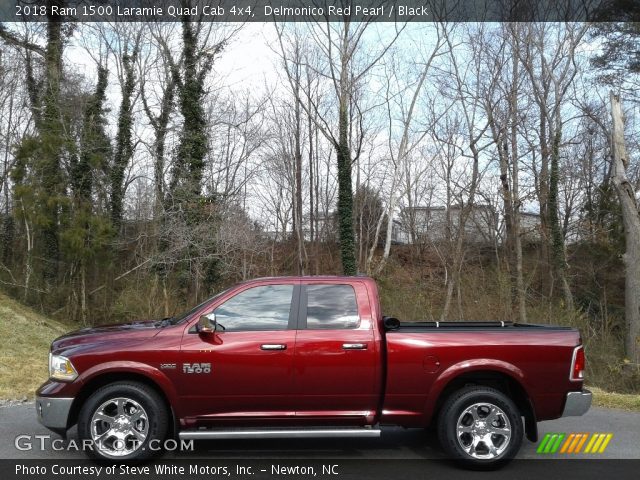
480	427
123	421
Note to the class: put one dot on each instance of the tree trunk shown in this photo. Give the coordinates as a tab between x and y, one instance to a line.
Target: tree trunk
458	252
124	142
83	292
311	170
558	256
631	219
186	181
297	201
28	264
515	196
51	135
403	150
345	193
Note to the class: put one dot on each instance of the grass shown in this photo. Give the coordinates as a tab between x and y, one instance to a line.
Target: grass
25	337
624	401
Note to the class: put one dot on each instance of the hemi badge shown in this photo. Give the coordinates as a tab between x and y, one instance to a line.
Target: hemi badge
167	366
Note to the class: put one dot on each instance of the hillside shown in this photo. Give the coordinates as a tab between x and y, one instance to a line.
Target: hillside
25	337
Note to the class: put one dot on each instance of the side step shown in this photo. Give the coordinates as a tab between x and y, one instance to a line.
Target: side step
279	433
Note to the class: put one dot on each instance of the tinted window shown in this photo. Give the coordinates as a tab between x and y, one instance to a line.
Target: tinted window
331	307
258	308
188	313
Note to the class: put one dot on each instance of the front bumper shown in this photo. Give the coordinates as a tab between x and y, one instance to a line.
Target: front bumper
577	403
53	413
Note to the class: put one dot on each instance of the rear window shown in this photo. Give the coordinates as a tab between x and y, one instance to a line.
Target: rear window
331	307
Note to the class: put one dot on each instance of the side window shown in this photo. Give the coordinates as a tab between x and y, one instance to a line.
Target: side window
258	308
331	307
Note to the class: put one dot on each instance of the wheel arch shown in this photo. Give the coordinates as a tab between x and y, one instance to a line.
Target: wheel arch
99	380
489	376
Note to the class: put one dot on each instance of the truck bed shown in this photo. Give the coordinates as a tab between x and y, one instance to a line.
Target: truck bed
421	357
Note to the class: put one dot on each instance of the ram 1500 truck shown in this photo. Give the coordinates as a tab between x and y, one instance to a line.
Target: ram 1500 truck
310	357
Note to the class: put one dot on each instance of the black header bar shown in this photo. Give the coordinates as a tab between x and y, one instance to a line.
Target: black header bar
319	10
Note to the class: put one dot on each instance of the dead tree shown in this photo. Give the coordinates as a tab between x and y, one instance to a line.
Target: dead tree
631	219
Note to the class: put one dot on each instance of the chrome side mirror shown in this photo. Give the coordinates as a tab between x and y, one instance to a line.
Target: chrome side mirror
207	323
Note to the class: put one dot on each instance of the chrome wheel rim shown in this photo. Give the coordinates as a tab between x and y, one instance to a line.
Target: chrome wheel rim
483	431
119	427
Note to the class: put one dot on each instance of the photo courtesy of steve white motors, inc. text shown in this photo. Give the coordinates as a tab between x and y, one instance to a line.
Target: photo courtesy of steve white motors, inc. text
53	469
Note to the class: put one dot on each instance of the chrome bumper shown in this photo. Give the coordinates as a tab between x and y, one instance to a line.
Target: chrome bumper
52	412
577	403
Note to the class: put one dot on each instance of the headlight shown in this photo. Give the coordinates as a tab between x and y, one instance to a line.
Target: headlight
60	368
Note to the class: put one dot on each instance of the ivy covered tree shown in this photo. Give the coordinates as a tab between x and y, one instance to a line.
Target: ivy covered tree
87	236
186	178
186	209
39	183
124	144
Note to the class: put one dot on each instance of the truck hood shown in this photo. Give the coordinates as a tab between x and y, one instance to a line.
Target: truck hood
92	336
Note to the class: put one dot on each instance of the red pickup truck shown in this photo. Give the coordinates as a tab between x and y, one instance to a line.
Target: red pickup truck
310	357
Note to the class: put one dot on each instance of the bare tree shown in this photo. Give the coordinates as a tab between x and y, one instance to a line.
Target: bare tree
467	139
409	140
344	64
14	125
502	83
631	218
157	91
548	55
294	63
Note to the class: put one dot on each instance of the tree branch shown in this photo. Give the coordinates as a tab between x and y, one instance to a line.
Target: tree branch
14	40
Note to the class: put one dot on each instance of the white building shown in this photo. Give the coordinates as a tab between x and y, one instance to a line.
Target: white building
437	224
530	227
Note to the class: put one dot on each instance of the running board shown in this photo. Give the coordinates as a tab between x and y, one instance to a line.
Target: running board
279	433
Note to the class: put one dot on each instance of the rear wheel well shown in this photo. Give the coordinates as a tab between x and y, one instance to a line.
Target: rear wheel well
501	382
105	379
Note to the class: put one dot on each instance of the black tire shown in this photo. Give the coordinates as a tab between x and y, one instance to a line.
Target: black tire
153	421
458	410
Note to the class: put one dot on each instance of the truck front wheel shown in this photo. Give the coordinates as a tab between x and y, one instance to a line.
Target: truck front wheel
123	421
480	427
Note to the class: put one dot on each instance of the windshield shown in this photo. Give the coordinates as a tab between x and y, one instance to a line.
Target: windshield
183	316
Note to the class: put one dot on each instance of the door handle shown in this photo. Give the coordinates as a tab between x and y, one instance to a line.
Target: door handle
354	346
273	346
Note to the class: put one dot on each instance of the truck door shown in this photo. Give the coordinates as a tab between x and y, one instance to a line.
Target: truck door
244	371
336	358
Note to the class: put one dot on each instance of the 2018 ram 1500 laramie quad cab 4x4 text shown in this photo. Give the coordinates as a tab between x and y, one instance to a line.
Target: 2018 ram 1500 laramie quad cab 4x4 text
310	357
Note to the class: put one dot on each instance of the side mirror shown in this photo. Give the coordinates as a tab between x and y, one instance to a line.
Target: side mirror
207	323
391	323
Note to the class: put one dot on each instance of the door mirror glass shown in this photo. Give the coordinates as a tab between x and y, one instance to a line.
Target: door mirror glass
207	323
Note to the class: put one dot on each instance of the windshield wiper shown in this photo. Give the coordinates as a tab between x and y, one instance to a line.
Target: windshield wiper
165	322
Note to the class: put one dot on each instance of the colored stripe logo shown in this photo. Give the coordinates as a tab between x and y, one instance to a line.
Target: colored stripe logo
574	443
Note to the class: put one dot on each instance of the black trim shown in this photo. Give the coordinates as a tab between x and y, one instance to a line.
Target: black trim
530	422
302	311
295	307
